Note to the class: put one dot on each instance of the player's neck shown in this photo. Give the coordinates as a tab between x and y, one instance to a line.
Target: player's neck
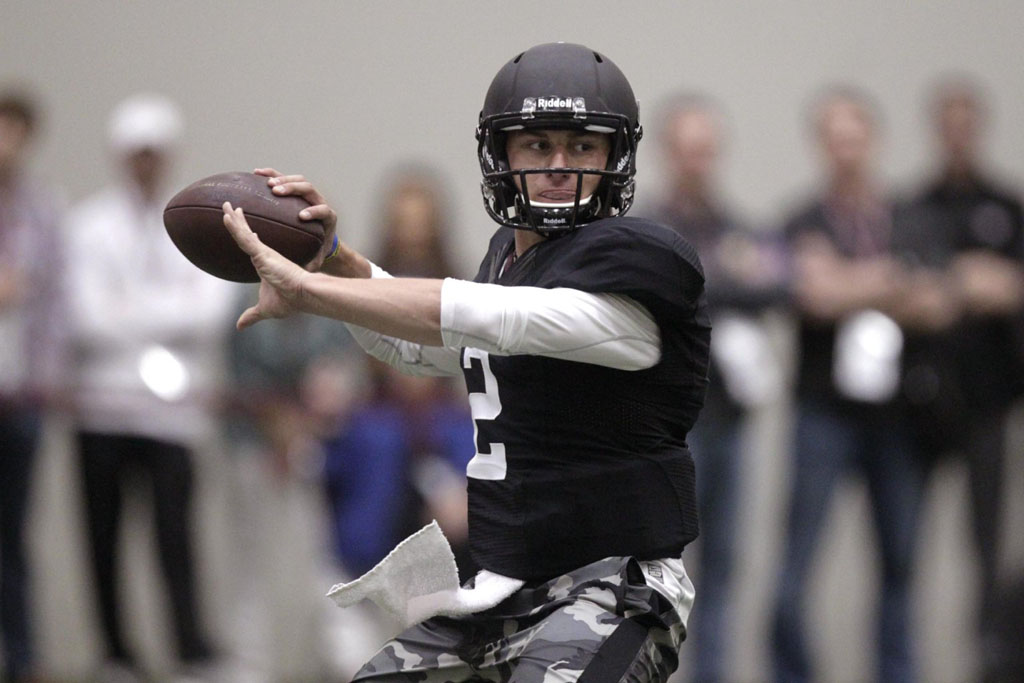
526	239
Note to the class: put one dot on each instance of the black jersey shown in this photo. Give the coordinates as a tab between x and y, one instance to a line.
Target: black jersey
589	461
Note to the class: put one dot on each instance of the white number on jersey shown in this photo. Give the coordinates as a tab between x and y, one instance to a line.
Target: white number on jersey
484	406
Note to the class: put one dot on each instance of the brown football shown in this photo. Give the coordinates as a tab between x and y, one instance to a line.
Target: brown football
195	222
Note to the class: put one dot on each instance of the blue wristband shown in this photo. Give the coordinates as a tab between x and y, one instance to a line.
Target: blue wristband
335	247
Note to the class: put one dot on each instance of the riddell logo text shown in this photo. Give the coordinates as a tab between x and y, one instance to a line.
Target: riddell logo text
554	103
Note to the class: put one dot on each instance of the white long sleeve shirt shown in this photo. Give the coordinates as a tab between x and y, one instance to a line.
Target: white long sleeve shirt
604	329
147	326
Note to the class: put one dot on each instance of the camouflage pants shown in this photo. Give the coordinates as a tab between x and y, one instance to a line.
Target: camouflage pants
601	622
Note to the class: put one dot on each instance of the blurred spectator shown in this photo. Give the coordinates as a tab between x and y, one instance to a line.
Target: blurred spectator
397	463
147	329
976	227
291	383
427	414
398	459
847	286
30	324
744	276
414	221
290	386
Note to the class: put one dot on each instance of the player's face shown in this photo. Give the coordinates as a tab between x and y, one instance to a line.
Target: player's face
529	149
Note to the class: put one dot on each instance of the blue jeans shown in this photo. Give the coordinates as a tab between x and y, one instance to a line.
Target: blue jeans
831	442
19	437
715	444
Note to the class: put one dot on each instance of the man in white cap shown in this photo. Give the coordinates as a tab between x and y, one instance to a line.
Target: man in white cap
145	328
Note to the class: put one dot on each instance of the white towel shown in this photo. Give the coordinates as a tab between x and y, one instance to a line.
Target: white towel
419	580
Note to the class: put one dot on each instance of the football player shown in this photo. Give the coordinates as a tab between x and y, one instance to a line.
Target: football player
584	345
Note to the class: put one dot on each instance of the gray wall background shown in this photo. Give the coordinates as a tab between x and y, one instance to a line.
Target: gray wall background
343	91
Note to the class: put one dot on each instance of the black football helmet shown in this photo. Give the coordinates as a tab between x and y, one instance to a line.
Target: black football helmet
558	85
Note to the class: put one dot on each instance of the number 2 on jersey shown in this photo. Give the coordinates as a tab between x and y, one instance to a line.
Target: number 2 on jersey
485	405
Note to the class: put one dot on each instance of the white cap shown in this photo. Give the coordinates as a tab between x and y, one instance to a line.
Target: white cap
145	120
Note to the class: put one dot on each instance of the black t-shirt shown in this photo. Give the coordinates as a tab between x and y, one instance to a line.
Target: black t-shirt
930	388
707	230
595	459
854	233
986	351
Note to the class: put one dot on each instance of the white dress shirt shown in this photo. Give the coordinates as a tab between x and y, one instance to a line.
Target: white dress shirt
147	326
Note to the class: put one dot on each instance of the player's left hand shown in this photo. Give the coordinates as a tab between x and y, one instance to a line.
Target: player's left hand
280	279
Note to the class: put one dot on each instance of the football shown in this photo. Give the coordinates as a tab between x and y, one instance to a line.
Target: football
195	223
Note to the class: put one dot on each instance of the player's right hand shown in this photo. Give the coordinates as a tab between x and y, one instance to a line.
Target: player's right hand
320	210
